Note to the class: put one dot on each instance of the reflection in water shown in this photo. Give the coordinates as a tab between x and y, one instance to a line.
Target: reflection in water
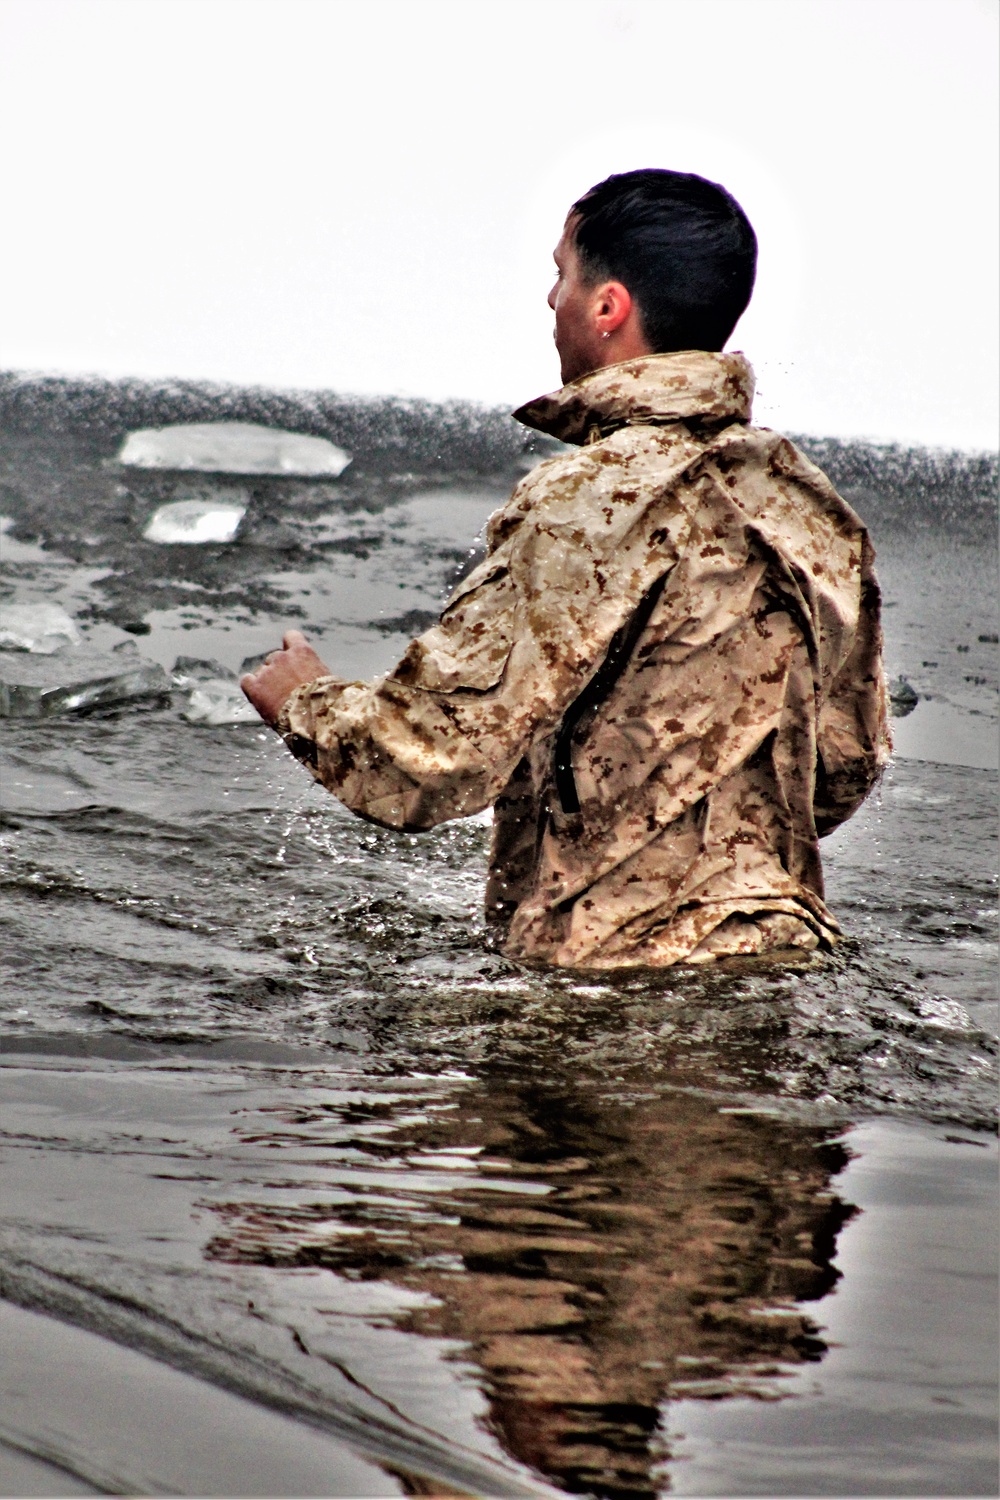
197	935
595	1254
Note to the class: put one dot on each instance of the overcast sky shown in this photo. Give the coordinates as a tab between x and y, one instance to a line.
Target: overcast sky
365	196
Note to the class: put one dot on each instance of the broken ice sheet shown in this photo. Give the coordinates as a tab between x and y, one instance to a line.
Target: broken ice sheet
233	448
73	682
192	521
41	629
218	701
187	671
13	551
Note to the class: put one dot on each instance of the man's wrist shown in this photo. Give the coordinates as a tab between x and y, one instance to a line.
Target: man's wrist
293	719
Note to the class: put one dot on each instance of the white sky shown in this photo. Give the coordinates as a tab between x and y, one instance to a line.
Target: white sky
363	195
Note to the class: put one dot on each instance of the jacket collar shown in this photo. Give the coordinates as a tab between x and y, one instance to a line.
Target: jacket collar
692	385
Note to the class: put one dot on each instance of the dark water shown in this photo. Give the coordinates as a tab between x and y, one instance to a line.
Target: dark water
277	1120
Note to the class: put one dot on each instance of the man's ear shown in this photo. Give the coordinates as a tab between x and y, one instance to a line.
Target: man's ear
612	307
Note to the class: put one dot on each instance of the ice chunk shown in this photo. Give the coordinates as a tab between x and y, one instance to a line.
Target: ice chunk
219	701
34	687
903	698
39	628
194	521
187	670
233	448
14	551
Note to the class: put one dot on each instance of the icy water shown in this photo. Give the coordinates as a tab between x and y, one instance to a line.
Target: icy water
306	1192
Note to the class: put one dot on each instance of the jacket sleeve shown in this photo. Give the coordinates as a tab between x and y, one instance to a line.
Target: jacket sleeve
853	740
435	739
440	736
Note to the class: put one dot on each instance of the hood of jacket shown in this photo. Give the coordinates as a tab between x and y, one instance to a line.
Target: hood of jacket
693	385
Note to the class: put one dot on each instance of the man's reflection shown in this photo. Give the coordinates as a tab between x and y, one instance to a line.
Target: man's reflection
662	1256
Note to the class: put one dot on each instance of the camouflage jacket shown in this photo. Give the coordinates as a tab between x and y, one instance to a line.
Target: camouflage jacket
665	676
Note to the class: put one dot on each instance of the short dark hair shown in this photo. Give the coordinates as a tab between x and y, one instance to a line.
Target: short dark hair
682	246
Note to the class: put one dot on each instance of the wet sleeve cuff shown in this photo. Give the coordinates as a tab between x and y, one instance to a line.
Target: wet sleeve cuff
296	722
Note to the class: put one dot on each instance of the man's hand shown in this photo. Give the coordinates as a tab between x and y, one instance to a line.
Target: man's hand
277	678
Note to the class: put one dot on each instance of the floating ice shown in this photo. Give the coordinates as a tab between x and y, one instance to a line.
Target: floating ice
189	670
34	687
903	697
39	628
218	701
233	448
194	521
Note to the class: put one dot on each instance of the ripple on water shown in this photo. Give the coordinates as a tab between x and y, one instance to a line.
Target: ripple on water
278	1115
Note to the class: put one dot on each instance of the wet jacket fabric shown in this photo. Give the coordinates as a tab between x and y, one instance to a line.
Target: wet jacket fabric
665	675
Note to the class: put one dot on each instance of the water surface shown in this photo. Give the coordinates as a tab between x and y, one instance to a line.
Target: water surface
279	1123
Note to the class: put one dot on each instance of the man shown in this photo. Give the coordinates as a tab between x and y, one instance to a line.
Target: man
665	675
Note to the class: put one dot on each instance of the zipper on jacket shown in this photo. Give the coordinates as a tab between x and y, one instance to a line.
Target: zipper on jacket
619	652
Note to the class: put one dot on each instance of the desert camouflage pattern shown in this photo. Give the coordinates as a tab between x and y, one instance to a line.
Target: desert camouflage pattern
665	676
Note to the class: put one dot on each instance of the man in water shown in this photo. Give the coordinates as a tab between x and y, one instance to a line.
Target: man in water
665	676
